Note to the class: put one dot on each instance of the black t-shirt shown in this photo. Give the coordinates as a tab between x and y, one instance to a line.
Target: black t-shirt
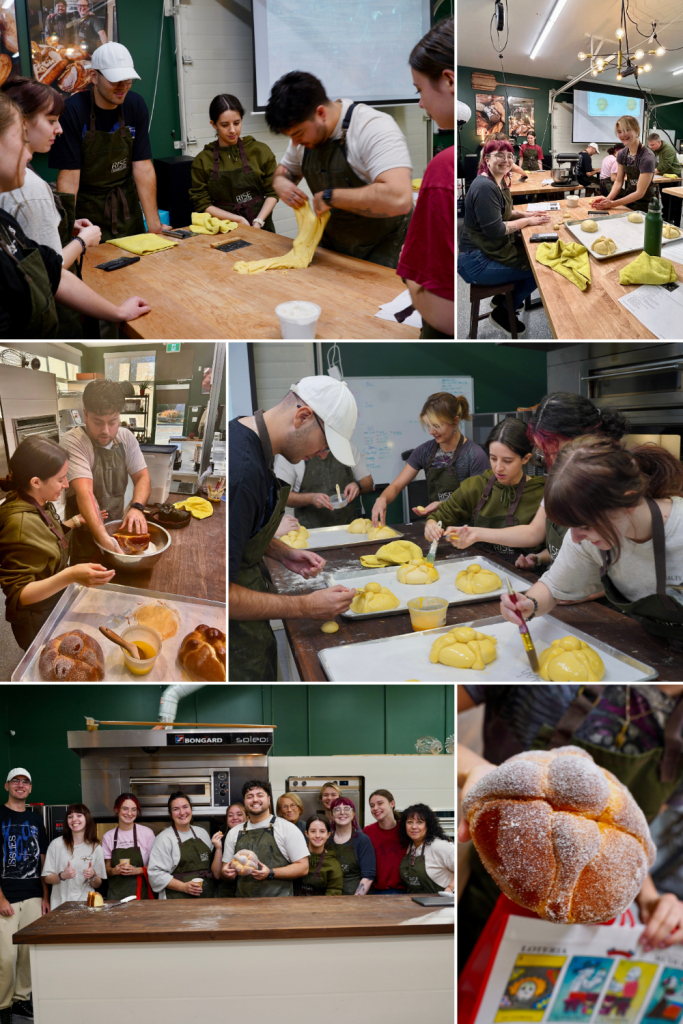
23	841
65	155
484	210
253	491
15	295
585	163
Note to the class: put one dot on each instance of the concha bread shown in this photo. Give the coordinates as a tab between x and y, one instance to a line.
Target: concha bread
359	526
560	836
373	598
202	655
475	580
417	572
570	660
669	231
245	862
72	657
464	647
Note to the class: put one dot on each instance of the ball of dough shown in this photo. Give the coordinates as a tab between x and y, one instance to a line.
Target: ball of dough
329	627
669	231
359	526
294	539
604	246
559	225
589	225
380	533
420	508
475	580
570	660
636	218
373	598
417	572
464	648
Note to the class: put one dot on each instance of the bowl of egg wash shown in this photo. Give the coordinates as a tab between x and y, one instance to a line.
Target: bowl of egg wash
148	643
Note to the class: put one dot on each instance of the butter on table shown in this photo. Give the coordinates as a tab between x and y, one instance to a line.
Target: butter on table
300	255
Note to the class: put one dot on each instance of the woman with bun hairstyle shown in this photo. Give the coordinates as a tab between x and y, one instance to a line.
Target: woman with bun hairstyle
429	862
624	511
325	876
74	862
34	542
126	850
636	166
235	815
352	848
502	496
232	177
180	862
447	460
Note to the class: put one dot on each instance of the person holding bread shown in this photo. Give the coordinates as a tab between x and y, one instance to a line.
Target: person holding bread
126	850
180	862
74	862
631	731
429	862
325	876
316	478
236	814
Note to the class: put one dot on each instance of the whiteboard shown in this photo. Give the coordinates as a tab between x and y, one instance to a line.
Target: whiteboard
389	417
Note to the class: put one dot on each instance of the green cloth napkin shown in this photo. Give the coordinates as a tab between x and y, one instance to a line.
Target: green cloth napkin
571	260
647	269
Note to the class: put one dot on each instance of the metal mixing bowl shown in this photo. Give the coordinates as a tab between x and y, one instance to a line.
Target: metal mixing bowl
561	174
158	536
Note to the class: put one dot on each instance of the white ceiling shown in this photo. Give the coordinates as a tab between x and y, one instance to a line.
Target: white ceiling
558	55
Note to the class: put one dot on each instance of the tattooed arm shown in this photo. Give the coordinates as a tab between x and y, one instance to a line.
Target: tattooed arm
364	887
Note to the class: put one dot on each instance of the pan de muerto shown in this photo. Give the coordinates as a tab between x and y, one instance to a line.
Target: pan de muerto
560	836
202	654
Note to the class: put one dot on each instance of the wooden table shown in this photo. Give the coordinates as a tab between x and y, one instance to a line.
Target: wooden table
676	190
194	292
593	618
533	184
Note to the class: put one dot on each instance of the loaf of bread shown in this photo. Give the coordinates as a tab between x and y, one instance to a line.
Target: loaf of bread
132	543
72	657
245	862
202	655
560	836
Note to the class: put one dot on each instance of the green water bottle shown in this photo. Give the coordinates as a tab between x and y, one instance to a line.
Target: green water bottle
653	228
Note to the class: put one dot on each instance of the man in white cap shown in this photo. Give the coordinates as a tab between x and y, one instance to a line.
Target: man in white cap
103	155
317	415
23	893
584	168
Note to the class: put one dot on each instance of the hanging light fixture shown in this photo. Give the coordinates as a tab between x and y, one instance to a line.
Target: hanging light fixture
627	62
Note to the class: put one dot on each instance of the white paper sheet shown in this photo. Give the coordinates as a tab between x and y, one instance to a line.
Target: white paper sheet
540	207
657	309
386	311
674	251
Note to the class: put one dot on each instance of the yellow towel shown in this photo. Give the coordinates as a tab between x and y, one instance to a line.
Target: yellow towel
647	269
300	255
205	224
570	260
395	553
199	507
416	184
671	175
140	245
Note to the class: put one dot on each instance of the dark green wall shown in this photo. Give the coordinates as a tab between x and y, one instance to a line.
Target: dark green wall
310	720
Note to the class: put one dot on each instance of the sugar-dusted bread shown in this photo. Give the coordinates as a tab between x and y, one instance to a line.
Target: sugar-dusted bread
560	835
245	862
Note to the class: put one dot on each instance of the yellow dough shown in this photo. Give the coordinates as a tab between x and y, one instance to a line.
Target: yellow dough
295	538
669	231
303	532
374	598
359	526
329	627
589	225
604	246
380	533
464	648
570	661
420	508
475	580
417	572
636	218
165	620
394	553
300	255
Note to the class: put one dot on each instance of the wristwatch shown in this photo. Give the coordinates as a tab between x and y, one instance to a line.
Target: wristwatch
136	504
271	874
327	196
257	220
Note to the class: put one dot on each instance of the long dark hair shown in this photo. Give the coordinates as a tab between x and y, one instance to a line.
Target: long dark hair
513	434
34	456
90	832
179	795
224	101
562	416
34	97
435	52
434	830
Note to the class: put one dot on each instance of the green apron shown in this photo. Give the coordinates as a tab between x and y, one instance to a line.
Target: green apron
413	872
554	535
237	191
43	321
442	482
501	521
252	644
530	160
508	250
321	476
631	176
31	618
120	886
262	842
70	325
107	194
109	481
311	885
225	888
346	855
375	239
195	862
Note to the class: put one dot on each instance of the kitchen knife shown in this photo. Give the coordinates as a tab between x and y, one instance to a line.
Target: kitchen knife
432	551
525	634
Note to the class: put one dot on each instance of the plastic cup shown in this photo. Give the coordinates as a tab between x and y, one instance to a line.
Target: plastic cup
427	612
140	667
336	503
298	319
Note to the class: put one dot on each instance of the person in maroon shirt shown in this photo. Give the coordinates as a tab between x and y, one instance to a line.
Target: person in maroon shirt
388	849
426	263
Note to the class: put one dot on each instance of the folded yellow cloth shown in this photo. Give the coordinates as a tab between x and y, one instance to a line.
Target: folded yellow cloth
205	224
300	255
671	175
199	507
140	245
395	553
647	269
571	260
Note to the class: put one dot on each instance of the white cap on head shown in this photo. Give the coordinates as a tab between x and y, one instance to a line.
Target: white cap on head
332	401
18	771
114	62
595	146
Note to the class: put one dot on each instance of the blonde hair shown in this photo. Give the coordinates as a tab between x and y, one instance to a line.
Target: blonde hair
329	785
445	408
294	797
628	124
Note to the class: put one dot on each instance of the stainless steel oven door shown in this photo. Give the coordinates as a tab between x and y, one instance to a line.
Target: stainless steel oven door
625	381
154	791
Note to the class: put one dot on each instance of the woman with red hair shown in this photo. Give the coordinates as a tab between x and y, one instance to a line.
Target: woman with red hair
126	850
491	252
352	848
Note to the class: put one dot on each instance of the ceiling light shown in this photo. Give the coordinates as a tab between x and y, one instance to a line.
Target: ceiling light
679	72
548	25
660	51
647	67
582	56
619	33
638	54
619	77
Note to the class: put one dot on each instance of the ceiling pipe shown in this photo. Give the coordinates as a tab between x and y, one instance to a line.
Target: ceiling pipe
168	705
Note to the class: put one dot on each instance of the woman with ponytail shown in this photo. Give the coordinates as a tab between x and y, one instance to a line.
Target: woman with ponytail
34	543
624	513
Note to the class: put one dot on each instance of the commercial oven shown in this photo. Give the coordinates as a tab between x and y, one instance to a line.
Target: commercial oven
28	405
307	788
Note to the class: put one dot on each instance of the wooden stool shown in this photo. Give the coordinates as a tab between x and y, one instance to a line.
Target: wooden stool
485	291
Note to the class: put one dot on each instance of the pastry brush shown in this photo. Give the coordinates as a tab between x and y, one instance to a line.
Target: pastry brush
525	634
432	551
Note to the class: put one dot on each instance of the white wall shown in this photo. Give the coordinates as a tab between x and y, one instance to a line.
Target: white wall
278	366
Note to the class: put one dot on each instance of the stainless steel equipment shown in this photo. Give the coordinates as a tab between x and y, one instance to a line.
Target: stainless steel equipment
635	378
160	537
565	175
307	788
28	405
447	821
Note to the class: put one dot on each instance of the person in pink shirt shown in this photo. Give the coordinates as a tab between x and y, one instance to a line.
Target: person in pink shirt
389	850
126	851
608	170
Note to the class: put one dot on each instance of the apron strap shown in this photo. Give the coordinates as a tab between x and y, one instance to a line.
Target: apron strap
216	161
345	127
122	120
485	493
658	545
451	463
575	715
319	868
518	497
151	895
91	132
110	207
245	162
63	542
116	836
264	438
669	766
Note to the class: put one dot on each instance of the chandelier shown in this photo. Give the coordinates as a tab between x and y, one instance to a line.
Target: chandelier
625	60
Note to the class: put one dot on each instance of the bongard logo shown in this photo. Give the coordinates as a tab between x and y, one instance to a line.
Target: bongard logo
199	739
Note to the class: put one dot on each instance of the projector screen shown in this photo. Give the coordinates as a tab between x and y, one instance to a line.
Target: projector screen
358	49
596	113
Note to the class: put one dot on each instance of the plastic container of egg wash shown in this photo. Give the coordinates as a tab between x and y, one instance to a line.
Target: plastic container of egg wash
140	667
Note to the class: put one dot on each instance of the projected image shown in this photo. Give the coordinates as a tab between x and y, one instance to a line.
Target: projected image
596	114
605	105
63	37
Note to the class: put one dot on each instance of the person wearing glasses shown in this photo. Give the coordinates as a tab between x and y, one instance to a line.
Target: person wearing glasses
88	31
314	482
316	415
352	848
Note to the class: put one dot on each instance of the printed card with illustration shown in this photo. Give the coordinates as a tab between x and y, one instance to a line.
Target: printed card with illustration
582	985
626	991
529	988
666	1005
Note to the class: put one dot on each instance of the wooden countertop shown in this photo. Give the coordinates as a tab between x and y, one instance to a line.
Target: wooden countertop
228	920
533	184
593	618
676	190
194	292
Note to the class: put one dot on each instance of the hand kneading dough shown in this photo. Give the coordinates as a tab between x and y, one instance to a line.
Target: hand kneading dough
475	580
295	538
300	255
636	218
570	661
589	225
329	627
359	526
380	533
374	598
669	231
604	246
417	572
464	648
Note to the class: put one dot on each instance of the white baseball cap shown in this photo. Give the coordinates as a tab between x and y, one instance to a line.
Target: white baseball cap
18	771
332	401
113	61
595	146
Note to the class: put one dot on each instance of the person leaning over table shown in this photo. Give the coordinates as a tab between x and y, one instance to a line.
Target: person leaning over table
621	727
236	814
179	865
325	876
428	865
502	496
32	274
352	848
354	159
74	862
384	836
23	893
584	167
634	186
318	414
280	847
315	478
290	807
232	176
126	850
490	253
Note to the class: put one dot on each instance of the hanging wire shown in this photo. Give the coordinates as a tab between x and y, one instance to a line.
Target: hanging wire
161	36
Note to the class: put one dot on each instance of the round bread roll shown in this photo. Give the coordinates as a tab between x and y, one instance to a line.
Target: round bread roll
418	572
669	231
359	526
72	657
464	647
604	246
330	627
475	580
570	660
202	655
380	533
295	539
636	218
560	836
245	862
589	225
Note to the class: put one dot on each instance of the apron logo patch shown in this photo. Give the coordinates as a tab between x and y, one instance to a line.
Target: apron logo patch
203	857
119	165
244	198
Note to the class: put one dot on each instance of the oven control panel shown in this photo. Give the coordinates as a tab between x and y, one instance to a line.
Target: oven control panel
221	788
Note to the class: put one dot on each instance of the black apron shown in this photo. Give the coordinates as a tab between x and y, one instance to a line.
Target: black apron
262	842
413	872
225	889
631	175
321	476
554	535
375	239
195	862
70	324
442	482
43	322
530	160
120	886
501	521
346	855
109	481
311	885
29	619
237	191
509	249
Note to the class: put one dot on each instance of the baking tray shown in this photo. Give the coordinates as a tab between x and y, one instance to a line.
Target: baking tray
444	587
629	237
339	537
405	658
77	609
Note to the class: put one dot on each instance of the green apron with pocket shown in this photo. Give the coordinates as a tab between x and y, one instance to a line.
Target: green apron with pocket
195	862
109	482
508	250
375	239
427	331
262	842
500	522
312	885
346	855
237	191
225	888
70	324
443	480
413	872
530	160
554	535
321	476
120	886
631	175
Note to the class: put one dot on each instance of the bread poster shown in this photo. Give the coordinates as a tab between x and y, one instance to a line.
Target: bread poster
520	116
490	115
9	42
63	40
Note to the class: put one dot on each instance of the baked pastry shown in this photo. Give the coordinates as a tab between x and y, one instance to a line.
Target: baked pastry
636	218
245	862
359	526
589	225
202	655
604	246
464	647
296	538
475	580
49	68
380	533
9	30
560	835
95	899
373	598
570	660
417	572
132	543
669	231
5	67
72	657
169	514
74	78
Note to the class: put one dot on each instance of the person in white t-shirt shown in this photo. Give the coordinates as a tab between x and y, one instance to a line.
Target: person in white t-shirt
74	862
429	862
179	865
314	479
355	161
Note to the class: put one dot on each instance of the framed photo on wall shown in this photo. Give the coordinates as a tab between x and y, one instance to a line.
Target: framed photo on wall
64	34
490	115
520	116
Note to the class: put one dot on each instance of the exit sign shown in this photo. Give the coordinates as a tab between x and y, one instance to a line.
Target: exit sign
173	346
